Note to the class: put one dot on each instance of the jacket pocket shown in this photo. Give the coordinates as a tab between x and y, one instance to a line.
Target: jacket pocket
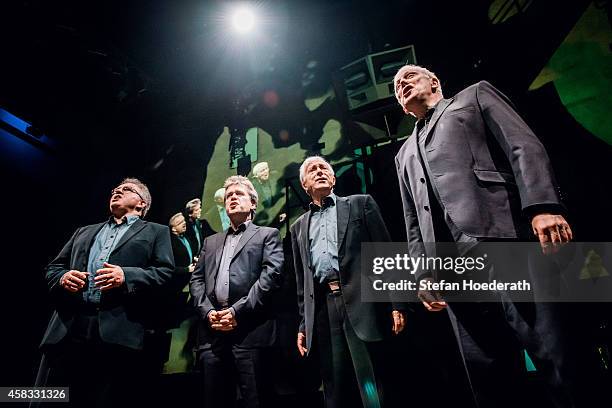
494	176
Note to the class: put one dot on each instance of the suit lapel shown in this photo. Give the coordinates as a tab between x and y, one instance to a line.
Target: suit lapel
219	243
303	237
90	235
442	105
132	230
246	236
343	208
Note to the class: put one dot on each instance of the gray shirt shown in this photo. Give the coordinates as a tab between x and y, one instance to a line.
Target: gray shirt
323	239
105	242
222	283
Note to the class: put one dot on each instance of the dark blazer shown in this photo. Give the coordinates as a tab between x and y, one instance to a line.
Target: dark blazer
181	255
359	220
145	255
202	231
255	274
487	165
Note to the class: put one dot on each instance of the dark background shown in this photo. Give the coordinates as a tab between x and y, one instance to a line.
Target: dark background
143	88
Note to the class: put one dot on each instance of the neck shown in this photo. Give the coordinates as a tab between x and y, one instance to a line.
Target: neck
237	219
118	215
318	198
421	111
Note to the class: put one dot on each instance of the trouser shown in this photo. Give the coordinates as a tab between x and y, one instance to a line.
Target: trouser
98	374
224	366
347	362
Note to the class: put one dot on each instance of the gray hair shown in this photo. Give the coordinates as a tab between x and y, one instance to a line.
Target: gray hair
145	194
192	204
259	167
415	68
242	181
307	162
176	219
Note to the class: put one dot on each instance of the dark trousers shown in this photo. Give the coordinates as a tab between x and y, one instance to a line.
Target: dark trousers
492	335
225	366
347	362
98	374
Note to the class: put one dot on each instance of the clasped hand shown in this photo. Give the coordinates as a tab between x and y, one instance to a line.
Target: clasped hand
222	320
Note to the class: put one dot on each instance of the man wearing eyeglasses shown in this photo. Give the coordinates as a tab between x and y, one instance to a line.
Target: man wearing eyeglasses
99	284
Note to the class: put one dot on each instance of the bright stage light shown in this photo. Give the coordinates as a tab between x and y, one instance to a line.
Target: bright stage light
243	20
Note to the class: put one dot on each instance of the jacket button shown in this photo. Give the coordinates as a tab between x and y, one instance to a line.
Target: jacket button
311	295
426	207
422	180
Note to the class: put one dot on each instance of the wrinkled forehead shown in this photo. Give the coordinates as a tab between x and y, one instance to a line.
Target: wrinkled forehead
316	163
406	70
236	188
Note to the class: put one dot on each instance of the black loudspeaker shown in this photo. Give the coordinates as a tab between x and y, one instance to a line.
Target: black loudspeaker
370	79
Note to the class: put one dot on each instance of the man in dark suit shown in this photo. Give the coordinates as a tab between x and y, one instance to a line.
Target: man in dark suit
326	243
100	283
237	272
473	171
196	229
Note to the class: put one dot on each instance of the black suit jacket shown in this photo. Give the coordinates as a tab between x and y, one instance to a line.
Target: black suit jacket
255	274
359	220
487	165
145	255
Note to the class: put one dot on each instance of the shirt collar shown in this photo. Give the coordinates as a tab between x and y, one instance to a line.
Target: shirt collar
241	228
328	201
127	219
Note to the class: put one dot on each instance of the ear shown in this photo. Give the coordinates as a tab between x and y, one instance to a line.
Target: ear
435	84
333	180
141	206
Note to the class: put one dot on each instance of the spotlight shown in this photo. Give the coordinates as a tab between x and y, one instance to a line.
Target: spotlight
243	20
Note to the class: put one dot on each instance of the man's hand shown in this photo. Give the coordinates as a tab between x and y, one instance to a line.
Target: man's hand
191	267
73	281
552	231
109	277
301	344
398	321
222	320
432	300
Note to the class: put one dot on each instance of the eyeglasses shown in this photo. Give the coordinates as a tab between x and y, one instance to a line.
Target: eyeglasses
126	189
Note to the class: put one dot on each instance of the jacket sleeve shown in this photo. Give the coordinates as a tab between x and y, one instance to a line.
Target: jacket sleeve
299	277
526	154
160	269
377	229
197	285
270	278
58	267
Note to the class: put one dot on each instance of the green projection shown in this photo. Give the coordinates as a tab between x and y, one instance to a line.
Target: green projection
581	70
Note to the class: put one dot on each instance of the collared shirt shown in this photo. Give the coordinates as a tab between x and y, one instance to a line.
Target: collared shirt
232	238
105	242
445	229
323	239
